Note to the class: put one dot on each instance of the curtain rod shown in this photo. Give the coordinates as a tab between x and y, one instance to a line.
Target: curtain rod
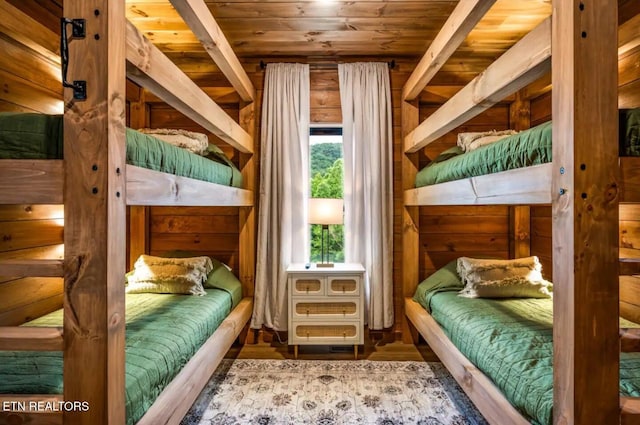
328	65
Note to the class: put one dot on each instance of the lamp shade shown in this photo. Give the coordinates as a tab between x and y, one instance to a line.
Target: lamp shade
325	211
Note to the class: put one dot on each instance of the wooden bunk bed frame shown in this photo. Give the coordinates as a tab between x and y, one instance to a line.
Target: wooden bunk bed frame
580	183
96	185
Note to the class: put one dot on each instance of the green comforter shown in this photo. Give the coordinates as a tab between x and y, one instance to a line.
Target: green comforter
38	136
510	340
629	132
530	147
162	333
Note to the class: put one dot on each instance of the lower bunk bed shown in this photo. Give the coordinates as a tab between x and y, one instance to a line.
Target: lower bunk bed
499	350
173	345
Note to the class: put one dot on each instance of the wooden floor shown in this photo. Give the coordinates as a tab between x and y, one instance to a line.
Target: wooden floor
375	348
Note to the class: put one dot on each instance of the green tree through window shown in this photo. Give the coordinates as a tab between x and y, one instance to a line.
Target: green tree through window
327	182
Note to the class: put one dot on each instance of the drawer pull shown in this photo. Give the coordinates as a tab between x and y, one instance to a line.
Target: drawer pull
344	312
307	288
344	334
307	312
307	334
344	289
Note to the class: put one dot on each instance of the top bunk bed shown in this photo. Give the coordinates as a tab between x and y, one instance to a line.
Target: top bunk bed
523	173
148	180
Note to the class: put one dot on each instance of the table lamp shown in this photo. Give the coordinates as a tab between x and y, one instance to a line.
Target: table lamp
325	211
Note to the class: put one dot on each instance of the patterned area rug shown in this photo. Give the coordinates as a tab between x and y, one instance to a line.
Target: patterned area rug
332	393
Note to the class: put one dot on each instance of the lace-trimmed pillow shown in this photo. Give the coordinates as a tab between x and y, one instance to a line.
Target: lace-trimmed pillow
471	141
514	287
169	275
492	278
197	143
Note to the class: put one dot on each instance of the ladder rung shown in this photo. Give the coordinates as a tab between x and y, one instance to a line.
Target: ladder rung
25	338
39	268
629	410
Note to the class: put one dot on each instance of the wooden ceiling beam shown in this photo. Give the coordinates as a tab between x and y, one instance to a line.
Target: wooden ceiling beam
463	19
150	68
525	62
197	15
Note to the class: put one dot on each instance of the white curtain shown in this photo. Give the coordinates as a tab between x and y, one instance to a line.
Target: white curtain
283	236
365	94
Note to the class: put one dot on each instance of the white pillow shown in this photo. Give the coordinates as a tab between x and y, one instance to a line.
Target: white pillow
466	140
197	143
169	275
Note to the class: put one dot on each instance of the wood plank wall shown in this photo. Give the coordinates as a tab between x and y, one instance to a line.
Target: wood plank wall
211	231
449	232
33	88
29	231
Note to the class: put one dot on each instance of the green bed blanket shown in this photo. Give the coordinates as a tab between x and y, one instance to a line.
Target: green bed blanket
39	136
162	333
510	341
530	147
629	127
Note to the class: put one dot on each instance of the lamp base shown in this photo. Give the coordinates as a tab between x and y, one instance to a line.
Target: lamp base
324	264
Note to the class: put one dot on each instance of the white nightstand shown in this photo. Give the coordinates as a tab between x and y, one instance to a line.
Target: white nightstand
326	305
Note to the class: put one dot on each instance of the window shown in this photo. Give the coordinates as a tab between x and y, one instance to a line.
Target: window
326	176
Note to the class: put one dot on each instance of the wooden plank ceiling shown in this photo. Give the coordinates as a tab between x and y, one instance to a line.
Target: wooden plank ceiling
329	31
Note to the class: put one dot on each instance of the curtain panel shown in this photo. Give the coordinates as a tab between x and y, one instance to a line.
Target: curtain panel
283	236
365	94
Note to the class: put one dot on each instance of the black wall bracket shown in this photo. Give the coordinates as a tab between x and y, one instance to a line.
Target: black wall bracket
78	30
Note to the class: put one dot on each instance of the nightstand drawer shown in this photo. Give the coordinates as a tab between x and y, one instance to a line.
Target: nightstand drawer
343	285
327	309
308	285
326	333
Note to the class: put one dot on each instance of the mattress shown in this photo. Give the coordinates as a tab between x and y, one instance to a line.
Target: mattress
38	136
510	341
163	332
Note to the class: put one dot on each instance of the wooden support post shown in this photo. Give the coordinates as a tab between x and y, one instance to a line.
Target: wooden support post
520	215
139	111
247	215
520	112
138	215
95	215
585	212
410	219
519	231
138	233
